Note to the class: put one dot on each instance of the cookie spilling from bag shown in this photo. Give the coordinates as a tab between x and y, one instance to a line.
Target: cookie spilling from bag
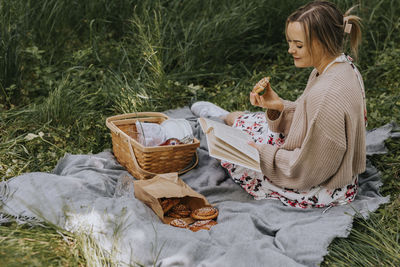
179	214
175	203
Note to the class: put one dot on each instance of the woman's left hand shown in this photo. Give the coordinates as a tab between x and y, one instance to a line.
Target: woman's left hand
268	100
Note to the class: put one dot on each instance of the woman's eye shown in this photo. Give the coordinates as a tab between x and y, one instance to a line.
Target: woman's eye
299	46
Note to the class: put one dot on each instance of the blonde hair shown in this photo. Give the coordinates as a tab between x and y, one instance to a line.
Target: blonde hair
324	22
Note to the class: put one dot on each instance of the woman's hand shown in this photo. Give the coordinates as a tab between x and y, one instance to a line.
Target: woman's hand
269	99
253	144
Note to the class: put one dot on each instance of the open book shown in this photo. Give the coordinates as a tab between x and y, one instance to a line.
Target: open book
230	144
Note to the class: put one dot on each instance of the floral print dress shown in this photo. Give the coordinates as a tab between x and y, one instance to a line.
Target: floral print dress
260	187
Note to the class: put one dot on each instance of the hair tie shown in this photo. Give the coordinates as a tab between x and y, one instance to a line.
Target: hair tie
347	25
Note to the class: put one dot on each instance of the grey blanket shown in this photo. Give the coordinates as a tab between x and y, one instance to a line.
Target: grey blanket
93	195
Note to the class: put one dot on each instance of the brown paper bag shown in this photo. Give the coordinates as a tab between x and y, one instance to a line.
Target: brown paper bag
168	185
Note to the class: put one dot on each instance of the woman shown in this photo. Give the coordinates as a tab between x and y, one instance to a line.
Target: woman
313	149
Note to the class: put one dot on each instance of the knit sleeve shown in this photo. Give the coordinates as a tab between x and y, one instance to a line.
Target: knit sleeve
280	121
318	159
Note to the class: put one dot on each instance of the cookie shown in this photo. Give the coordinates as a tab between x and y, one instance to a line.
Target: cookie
260	86
178	223
205	213
168	203
181	209
174	215
202	225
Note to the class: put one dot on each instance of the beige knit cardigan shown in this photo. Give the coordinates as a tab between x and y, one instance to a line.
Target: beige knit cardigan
325	133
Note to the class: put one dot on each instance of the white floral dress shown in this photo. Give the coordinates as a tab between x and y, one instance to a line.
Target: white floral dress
260	187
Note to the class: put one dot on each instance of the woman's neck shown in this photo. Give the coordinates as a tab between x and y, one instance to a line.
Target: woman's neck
323	63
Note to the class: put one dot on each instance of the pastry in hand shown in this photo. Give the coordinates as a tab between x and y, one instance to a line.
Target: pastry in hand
261	85
179	223
205	213
203	224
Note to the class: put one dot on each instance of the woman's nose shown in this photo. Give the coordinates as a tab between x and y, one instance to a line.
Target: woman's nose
291	50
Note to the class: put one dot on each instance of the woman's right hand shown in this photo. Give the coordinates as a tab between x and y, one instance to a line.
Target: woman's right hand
268	100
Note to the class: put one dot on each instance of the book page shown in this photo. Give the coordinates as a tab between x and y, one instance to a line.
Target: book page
232	155
230	144
234	137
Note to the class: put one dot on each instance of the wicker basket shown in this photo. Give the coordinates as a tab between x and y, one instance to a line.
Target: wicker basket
146	162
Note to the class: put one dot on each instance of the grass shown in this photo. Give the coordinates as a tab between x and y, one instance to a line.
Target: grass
62	73
21	245
376	241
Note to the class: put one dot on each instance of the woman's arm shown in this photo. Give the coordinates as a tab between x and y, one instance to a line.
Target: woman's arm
279	112
280	122
318	158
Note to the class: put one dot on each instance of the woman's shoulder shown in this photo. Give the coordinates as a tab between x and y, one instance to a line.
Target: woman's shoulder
343	72
341	78
339	72
339	83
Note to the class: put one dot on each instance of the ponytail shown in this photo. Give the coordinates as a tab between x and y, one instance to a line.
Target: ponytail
352	28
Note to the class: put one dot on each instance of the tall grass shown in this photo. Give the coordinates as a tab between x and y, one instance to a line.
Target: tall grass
191	40
9	51
200	42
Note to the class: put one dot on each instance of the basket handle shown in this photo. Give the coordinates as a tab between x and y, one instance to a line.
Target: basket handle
137	115
112	127
147	173
188	168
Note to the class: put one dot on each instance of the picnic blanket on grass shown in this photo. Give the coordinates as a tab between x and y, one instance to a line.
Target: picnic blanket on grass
93	195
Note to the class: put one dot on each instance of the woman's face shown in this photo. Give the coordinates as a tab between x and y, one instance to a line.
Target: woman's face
296	38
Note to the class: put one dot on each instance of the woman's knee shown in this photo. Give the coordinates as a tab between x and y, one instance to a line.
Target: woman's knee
231	117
